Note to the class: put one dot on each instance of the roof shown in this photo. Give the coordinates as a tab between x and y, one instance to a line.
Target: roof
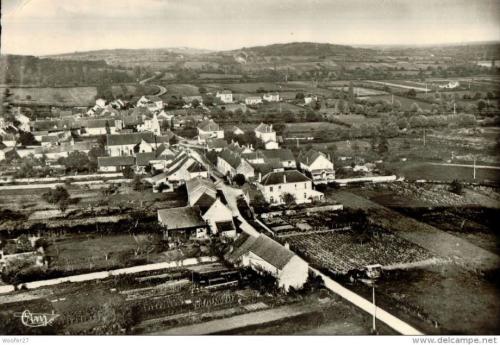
208	126
227	225
181	217
196	167
266	167
288	176
281	154
232	158
204	202
310	156
263	128
50	139
48	125
143	158
97	123
196	187
129	139
224	92
264	247
216	143
115	161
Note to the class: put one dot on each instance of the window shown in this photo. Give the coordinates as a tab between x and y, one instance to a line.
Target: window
279	187
305	185
305	196
270	189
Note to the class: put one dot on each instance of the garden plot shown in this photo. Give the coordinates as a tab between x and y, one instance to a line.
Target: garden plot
344	251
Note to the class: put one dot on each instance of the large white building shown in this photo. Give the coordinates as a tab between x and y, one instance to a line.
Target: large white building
129	144
209	129
275	185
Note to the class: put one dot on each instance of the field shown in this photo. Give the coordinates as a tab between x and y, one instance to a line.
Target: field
342	251
360	91
64	96
219	76
308	129
429	171
406	103
128	90
357	120
181	90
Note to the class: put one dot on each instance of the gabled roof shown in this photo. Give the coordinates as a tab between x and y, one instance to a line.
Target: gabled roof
129	139
196	167
204	202
281	154
115	161
263	128
267	167
214	143
143	158
232	158
197	187
227	225
264	247
208	126
181	218
310	156
97	123
287	176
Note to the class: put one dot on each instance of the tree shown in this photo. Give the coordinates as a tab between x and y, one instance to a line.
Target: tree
195	103
58	196
93	154
299	96
27	139
351	93
288	198
456	187
411	93
239	179
137	184
76	161
128	172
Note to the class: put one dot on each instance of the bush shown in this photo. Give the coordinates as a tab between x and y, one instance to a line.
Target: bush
456	187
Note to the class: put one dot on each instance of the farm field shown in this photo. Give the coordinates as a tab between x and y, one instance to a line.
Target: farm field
360	91
64	96
219	76
405	102
357	120
342	251
181	89
402	85
307	129
131	90
443	299
428	171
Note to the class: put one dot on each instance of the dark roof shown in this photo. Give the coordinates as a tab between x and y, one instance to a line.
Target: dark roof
216	143
264	247
49	125
231	157
208	126
129	139
225	226
115	161
267	167
97	123
282	154
204	202
181	217
196	167
290	176
143	158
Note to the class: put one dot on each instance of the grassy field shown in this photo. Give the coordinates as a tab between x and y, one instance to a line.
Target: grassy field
427	171
182	89
67	96
357	120
219	76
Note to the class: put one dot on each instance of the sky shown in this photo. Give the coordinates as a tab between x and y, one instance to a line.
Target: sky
42	27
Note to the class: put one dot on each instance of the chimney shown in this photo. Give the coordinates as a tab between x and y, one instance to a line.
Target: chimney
271	127
284	177
287	245
260	176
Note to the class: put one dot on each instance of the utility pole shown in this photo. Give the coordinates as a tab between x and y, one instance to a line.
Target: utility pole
474	167
374	310
424	136
454	109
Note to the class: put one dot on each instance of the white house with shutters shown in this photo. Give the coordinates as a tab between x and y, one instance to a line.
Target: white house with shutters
317	166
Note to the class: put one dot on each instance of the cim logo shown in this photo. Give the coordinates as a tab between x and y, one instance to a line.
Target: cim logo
30	319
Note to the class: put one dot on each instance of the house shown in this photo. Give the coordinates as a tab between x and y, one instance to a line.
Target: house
127	121
217	145
8	140
253	100
230	163
24	121
275	185
450	85
114	164
97	127
317	166
181	169
237	131
101	103
271	97
309	99
152	103
265	132
150	125
50	140
219	217
265	254
198	187
209	129
182	222
129	144
284	156
225	96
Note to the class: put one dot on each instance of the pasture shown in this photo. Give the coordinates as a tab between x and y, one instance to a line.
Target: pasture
60	96
405	102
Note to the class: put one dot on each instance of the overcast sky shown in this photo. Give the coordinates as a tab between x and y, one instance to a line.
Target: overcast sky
40	27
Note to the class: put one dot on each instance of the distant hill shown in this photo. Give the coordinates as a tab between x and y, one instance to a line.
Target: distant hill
304	49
